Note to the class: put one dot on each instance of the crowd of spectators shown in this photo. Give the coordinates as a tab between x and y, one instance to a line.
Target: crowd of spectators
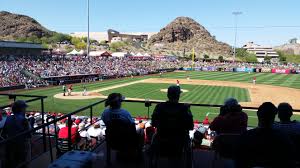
13	71
30	70
228	66
271	144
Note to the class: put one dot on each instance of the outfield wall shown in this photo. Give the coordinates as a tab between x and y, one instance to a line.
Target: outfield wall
244	69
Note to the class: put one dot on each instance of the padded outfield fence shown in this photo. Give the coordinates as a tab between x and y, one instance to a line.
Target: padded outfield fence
46	136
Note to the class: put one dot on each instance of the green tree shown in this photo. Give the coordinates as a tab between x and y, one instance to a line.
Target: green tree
251	58
240	52
59	37
80	46
22	39
75	40
103	42
68	48
282	56
221	58
206	56
267	59
117	46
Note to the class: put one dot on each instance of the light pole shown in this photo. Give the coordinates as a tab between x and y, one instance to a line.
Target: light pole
88	29
235	33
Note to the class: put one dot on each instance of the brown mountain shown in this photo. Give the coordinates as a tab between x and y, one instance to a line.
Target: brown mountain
14	26
184	34
289	49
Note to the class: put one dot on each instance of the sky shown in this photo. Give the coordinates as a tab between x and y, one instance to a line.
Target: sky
265	22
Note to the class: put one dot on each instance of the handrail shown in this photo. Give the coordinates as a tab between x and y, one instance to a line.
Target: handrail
194	104
21	95
51	122
101	101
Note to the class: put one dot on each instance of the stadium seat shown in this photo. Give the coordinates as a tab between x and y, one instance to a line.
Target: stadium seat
122	137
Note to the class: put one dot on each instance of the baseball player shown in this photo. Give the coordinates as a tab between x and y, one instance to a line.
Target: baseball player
64	89
178	84
84	91
254	80
70	90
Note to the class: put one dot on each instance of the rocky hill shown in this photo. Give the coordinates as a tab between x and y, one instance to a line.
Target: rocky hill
290	49
14	26
184	34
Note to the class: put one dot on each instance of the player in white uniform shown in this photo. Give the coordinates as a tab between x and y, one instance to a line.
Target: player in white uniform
84	91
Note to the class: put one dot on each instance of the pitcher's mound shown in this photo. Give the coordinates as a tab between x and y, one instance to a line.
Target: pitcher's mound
166	90
79	96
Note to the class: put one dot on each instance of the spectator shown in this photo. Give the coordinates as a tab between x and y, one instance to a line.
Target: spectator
265	146
17	150
285	112
231	119
173	121
114	101
120	124
3	116
82	131
206	121
197	140
64	133
95	131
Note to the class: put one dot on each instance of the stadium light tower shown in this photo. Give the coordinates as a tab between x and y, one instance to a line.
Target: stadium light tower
235	31
88	29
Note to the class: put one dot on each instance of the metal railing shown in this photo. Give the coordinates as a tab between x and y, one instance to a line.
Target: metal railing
32	98
68	116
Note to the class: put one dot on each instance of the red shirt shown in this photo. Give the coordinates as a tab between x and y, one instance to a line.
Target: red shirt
254	78
234	123
206	121
63	133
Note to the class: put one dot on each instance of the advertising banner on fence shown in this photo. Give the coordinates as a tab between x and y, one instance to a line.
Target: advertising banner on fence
198	69
266	70
187	69
281	71
244	70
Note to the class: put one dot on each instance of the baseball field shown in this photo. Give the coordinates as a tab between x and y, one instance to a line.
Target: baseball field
198	87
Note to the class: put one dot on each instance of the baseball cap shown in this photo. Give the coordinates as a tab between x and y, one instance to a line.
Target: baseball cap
77	121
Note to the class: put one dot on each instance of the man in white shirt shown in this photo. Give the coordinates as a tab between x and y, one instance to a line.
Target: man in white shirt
95	131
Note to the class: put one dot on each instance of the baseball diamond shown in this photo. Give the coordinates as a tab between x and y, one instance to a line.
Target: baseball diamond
202	87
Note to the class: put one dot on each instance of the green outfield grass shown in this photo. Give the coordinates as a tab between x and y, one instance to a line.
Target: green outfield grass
286	80
197	94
